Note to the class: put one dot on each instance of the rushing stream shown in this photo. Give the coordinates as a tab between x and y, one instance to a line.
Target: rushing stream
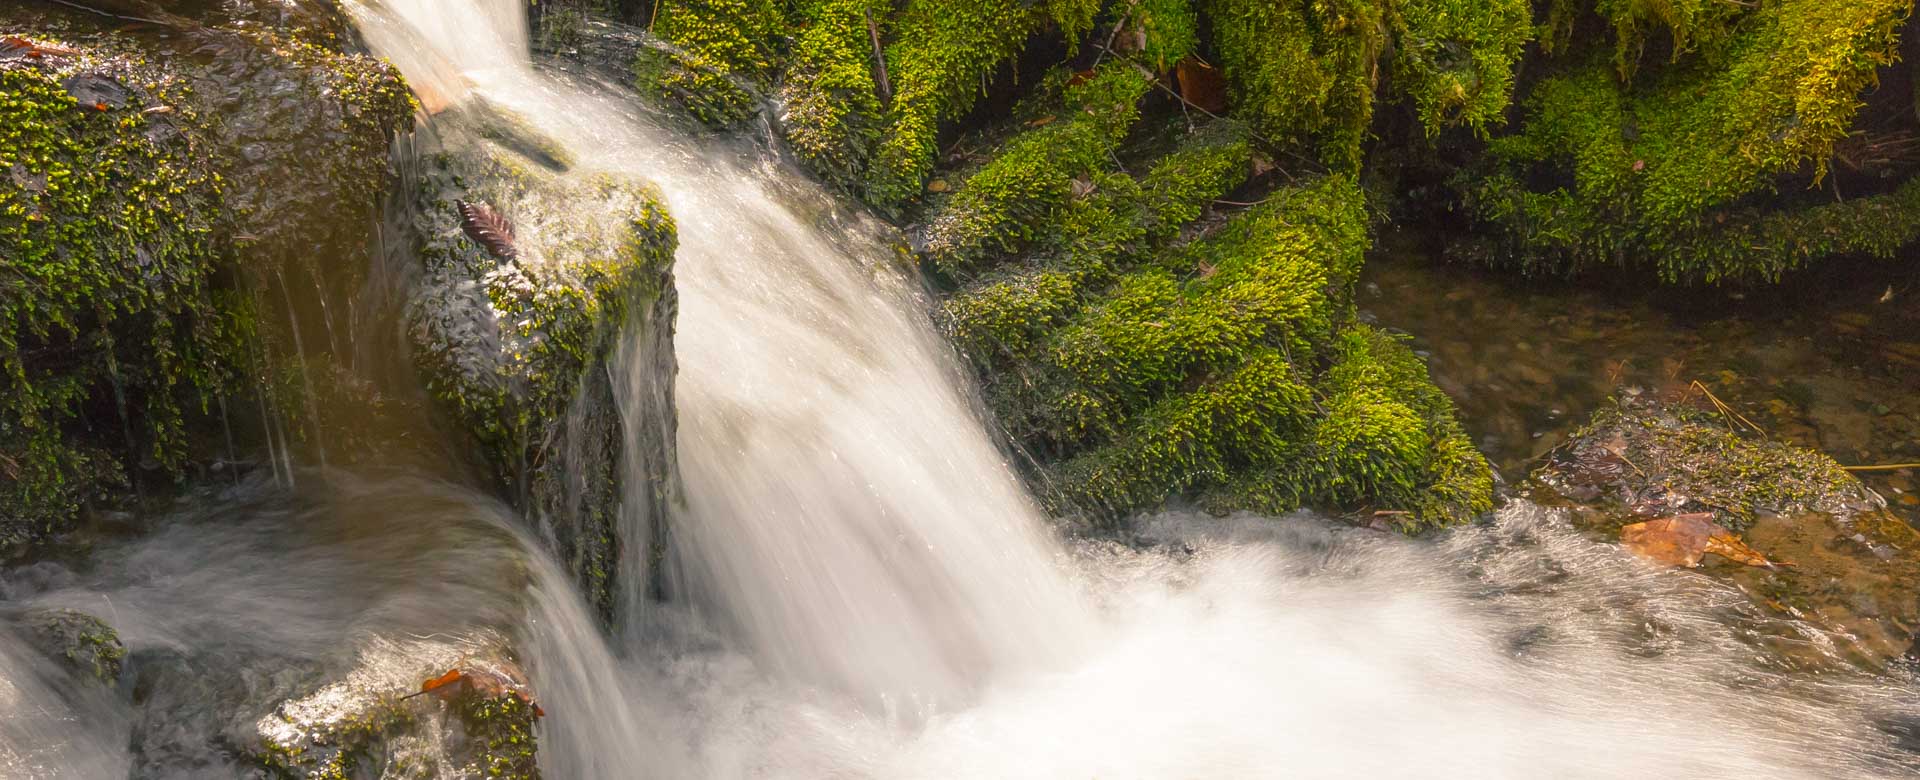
862	588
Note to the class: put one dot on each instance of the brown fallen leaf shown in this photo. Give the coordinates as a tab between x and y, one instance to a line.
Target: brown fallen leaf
486	682
1042	121
1681	540
1201	85
14	47
487	228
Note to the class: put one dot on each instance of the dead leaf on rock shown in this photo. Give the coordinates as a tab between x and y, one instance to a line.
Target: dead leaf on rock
483	681
1681	540
487	228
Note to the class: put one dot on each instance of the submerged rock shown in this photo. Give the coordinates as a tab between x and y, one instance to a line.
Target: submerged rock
524	349
1847	565
84	644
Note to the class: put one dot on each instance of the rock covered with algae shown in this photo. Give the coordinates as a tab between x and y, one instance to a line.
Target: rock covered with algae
1847	566
523	347
85	645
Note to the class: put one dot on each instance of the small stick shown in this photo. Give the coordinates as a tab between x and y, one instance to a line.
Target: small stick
879	56
1883	467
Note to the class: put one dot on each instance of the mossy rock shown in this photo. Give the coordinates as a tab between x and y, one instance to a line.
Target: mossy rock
85	645
519	351
1854	566
1650	459
1705	169
831	107
1138	362
381	720
160	181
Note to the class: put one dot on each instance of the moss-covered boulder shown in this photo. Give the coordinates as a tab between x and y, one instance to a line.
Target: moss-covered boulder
158	177
1140	358
1853	567
85	645
1708	167
520	341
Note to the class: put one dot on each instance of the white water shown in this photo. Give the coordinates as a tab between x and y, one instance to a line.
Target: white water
864	590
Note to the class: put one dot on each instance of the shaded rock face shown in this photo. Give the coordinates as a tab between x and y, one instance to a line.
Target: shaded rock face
165	177
527	346
1854	570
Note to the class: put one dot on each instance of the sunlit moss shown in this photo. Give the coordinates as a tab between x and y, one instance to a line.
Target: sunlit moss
735	36
1302	73
998	208
832	103
941	56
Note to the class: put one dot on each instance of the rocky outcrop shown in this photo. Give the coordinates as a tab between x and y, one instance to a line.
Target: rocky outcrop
1852	568
519	338
161	179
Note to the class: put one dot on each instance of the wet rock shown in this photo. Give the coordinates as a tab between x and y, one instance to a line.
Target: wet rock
199	155
370	724
84	644
1855	567
523	352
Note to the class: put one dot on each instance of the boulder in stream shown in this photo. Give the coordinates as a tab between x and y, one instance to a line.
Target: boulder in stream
528	349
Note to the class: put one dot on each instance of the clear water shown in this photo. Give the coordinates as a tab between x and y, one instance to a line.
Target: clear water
864	590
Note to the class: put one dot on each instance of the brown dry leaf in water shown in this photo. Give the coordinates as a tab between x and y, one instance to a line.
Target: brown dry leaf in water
485	682
1681	540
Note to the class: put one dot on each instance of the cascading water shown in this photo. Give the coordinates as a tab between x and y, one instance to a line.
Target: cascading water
862	589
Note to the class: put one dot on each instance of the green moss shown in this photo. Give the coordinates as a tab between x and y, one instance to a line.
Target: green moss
111	248
1654	173
1387	436
85	644
1691	25
695	82
1267	280
502	730
832	105
1300	72
1168	30
1697	456
1456	58
735	36
999	207
942	55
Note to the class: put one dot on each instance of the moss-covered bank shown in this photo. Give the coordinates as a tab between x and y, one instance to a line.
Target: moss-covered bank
1139	357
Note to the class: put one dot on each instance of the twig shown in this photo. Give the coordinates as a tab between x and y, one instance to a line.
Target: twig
108	14
654	14
1726	410
879	56
1883	467
1115	35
